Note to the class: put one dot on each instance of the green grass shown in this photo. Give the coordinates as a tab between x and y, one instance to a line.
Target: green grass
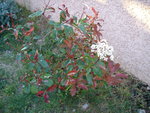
106	99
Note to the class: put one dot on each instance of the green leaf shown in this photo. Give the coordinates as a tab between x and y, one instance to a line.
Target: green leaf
36	37
36	14
65	63
31	66
54	34
19	27
82	28
89	79
18	57
26	89
62	16
34	89
89	76
88	70
101	63
38	68
68	30
24	48
43	63
70	67
81	64
46	76
62	50
75	19
97	71
52	22
48	82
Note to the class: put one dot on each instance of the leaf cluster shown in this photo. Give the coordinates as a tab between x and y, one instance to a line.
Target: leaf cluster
59	58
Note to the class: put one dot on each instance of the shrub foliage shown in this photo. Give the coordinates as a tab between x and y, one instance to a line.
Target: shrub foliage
59	58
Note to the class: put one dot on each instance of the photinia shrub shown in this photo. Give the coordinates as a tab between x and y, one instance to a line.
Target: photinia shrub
68	56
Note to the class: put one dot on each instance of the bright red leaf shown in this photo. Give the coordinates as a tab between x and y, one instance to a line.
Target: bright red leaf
28	33
71	73
61	88
52	88
40	93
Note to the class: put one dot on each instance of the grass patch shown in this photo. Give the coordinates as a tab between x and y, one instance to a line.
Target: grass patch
127	97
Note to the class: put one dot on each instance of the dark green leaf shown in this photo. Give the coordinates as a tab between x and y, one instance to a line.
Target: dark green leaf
34	89
36	37
27	88
52	22
48	82
68	30
24	48
31	66
18	57
43	63
97	71
89	79
82	28
36	14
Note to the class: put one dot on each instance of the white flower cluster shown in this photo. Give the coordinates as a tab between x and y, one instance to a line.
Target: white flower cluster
103	50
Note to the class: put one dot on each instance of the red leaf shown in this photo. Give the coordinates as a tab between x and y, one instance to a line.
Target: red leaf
29	31
73	91
70	56
52	88
103	69
90	17
68	43
46	98
63	5
71	21
61	88
51	8
97	78
113	67
82	86
95	15
120	75
39	81
36	55
94	84
116	67
95	12
40	93
112	80
67	13
59	79
70	82
71	73
47	60
110	65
